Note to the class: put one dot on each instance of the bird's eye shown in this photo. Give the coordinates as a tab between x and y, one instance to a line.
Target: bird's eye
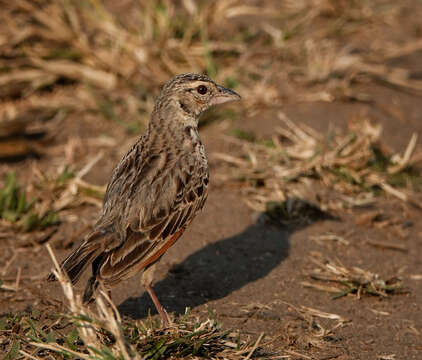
202	89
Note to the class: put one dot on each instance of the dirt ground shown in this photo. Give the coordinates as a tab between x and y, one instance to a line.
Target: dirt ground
237	263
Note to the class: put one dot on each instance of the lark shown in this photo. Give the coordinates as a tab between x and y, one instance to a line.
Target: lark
154	192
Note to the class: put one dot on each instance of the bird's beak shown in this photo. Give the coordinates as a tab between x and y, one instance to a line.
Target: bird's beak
224	95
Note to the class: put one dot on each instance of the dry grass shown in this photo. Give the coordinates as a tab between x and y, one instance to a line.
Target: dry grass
60	54
345	280
102	334
21	213
304	331
355	165
37	209
83	56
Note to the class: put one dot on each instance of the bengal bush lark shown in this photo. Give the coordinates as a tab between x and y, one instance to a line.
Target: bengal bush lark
154	192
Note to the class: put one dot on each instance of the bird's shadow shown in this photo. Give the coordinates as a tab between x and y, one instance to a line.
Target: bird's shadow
220	268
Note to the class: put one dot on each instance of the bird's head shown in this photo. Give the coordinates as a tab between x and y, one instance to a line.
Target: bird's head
195	93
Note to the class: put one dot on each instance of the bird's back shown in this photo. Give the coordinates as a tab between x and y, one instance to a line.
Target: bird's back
158	175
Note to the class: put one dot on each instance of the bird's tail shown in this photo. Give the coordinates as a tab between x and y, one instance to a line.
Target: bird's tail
79	259
90	288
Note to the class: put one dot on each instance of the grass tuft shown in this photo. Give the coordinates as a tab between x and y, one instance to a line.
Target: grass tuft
295	212
17	209
349	163
102	334
351	281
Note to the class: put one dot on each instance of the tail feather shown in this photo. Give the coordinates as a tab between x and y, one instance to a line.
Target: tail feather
91	286
79	259
77	262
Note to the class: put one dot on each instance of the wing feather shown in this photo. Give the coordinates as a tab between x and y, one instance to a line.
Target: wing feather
153	228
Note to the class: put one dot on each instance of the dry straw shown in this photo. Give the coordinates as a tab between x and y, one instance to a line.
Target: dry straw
354	164
102	334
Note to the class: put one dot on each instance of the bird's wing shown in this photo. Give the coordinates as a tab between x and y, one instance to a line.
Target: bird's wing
159	206
134	164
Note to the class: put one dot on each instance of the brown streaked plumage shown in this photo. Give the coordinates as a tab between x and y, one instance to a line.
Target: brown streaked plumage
154	192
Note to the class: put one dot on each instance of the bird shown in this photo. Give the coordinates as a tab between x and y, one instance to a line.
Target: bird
154	192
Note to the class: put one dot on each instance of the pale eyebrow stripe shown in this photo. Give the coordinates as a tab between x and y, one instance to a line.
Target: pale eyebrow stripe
200	82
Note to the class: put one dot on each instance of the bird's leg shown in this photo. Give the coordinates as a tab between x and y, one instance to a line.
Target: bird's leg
158	306
146	280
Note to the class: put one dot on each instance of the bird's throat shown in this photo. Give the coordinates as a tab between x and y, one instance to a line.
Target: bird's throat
184	107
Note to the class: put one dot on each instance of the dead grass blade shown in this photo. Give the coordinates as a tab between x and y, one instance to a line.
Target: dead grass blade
330	237
350	163
350	280
102	334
